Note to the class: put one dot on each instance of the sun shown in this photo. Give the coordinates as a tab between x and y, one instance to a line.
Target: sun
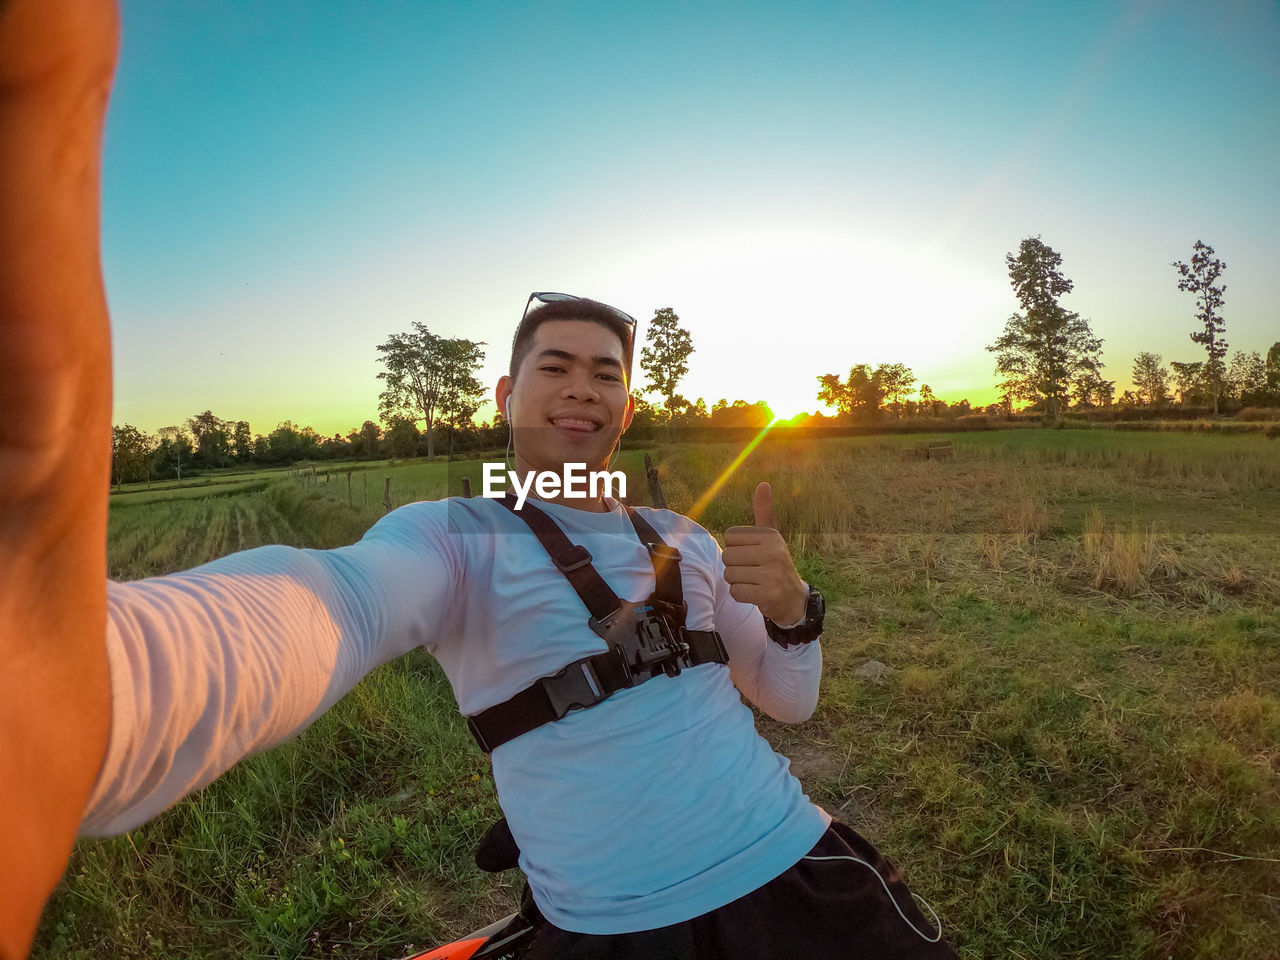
785	406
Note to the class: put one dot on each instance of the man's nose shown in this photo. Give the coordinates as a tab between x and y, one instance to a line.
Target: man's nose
581	387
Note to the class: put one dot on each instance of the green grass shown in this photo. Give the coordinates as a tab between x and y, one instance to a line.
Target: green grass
1075	753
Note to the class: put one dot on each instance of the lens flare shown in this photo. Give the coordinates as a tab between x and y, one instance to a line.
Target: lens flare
696	511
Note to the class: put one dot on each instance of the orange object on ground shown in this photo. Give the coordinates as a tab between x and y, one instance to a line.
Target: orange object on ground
461	950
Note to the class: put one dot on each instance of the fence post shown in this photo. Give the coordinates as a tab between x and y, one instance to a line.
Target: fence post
386	497
365	475
349	503
655	486
466	487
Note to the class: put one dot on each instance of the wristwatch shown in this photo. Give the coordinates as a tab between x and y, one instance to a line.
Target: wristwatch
807	630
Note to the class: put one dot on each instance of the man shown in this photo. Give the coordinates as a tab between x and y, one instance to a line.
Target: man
655	823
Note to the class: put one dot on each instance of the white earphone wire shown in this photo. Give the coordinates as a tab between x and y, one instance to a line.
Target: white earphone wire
935	938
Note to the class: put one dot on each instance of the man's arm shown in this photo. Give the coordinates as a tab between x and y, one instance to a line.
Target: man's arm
56	61
781	681
215	663
755	578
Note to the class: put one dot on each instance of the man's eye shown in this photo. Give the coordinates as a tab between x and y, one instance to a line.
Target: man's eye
609	376
553	369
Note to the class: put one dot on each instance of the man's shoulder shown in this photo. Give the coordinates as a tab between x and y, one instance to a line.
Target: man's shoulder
452	515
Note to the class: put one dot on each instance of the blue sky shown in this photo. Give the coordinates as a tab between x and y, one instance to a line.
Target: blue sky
808	185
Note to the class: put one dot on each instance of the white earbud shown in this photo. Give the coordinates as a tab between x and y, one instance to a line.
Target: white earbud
508	409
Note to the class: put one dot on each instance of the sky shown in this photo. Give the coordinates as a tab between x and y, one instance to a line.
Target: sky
808	185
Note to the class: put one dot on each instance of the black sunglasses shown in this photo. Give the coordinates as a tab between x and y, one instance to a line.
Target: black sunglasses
548	297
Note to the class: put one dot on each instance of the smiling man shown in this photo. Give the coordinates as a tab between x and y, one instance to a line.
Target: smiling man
600	653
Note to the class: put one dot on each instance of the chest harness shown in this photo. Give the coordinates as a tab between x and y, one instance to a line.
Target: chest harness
645	638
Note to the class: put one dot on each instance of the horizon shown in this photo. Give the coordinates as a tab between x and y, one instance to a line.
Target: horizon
809	187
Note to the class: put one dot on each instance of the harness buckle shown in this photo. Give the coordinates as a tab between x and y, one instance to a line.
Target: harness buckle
660	551
573	688
573	559
481	740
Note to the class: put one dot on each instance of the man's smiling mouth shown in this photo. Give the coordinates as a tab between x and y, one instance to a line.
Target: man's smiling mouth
575	423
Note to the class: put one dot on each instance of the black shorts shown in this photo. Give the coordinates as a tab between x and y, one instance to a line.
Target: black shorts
831	909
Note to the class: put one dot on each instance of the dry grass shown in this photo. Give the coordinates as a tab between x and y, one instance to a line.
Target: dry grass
1076	751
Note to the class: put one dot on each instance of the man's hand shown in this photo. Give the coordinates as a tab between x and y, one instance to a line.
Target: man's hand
56	61
758	567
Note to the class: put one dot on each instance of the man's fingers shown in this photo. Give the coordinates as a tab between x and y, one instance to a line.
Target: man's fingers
750	555
751	574
746	593
746	536
763	504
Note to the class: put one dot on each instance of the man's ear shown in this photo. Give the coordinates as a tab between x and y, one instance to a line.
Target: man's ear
629	414
502	393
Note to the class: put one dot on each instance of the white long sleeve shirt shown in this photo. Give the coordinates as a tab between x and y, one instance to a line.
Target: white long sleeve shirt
655	806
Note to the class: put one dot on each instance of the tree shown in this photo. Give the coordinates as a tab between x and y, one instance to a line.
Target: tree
1200	278
364	442
834	393
1044	349
1273	374
427	377
1150	379
173	451
131	451
402	437
1246	379
861	394
741	414
930	406
242	441
867	391
462	393
664	356
1090	389
1192	382
211	438
896	381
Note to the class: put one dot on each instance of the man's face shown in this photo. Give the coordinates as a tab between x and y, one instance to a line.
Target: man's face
570	399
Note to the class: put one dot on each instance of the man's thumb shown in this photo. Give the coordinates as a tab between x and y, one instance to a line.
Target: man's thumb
763	503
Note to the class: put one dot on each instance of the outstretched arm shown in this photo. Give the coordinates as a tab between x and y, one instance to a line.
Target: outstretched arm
56	61
215	663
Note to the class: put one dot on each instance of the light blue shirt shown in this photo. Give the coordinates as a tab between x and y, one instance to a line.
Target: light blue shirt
658	805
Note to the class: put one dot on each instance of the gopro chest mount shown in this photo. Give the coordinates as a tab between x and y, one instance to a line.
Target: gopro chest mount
644	638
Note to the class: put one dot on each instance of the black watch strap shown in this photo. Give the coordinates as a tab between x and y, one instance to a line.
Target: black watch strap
810	629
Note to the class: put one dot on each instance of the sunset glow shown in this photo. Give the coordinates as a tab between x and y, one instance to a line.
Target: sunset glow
836	186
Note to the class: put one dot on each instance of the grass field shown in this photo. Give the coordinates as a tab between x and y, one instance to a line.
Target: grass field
1074	752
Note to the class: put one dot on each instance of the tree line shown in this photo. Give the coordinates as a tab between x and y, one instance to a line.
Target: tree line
1047	358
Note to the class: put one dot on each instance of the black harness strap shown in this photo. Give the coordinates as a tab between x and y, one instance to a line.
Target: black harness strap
666	567
640	647
570	559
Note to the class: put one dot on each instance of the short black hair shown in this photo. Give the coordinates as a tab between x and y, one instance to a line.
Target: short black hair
591	311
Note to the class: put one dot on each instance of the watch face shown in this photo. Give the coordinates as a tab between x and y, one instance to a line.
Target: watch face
817	606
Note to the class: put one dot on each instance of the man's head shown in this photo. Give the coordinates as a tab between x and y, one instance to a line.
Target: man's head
579	308
569	384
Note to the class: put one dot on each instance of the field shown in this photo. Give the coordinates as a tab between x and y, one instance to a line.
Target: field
1072	748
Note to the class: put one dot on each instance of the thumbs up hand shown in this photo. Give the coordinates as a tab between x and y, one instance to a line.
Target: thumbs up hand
758	567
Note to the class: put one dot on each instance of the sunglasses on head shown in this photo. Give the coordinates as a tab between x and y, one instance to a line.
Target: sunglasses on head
548	297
